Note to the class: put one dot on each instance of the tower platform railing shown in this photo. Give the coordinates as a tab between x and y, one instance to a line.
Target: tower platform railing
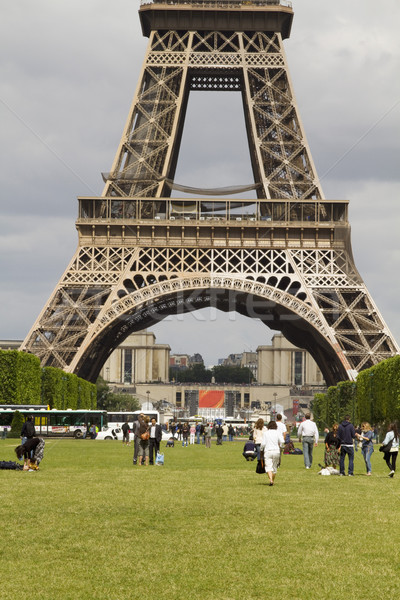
220	3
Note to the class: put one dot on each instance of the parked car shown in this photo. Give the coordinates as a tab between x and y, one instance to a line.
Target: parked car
110	433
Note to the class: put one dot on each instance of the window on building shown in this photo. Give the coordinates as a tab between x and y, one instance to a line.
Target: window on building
232	403
128	366
298	368
192	401
178	399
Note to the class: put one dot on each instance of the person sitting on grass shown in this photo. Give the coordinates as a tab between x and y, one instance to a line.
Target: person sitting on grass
35	445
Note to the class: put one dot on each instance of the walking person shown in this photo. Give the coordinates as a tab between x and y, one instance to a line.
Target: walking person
231	432
154	440
203	437
198	429
207	435
346	435
282	428
28	430
219	432
192	432
258	433
136	437
185	434
332	447
390	457
308	435
144	435
271	445
367	446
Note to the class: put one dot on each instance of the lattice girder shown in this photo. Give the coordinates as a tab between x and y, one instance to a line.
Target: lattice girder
131	278
282	163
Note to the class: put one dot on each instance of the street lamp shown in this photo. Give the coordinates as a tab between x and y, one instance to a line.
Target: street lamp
274	395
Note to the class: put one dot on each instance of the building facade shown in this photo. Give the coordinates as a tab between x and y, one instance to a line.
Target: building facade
282	363
138	360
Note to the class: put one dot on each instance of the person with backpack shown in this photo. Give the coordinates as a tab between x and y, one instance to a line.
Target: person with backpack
28	430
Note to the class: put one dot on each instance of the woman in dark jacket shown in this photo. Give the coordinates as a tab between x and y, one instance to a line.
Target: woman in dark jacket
33	446
185	434
144	435
332	447
28	430
391	456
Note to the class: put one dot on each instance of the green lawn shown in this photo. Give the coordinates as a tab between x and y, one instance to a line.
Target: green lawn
204	526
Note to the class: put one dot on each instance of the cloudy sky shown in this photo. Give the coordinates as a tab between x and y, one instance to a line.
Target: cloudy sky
68	72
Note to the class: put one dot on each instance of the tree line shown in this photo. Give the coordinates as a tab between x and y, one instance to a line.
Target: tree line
24	381
219	374
374	397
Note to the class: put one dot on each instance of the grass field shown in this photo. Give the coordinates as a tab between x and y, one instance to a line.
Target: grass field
204	526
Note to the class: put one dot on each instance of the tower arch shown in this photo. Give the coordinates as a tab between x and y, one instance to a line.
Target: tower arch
276	308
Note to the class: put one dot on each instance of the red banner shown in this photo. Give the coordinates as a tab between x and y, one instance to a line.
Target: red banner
211	398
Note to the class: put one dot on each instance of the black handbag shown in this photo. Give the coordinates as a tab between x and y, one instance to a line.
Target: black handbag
260	468
387	447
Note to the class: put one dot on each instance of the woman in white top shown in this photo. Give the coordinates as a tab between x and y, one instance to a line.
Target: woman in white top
258	432
192	433
271	444
391	456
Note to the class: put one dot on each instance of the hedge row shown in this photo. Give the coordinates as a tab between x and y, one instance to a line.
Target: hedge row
23	381
374	397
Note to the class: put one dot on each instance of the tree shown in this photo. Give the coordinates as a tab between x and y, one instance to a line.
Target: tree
123	402
16	425
107	400
228	374
195	374
19	377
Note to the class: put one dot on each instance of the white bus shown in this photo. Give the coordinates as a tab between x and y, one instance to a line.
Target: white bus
56	423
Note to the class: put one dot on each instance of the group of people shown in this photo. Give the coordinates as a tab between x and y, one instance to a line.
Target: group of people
339	443
147	435
200	433
266	444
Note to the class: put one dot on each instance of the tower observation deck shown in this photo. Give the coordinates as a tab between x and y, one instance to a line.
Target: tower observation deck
218	15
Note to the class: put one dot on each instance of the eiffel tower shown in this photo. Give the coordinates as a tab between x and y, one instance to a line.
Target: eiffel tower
283	257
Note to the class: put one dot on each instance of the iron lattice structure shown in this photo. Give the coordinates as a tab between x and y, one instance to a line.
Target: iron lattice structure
284	257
